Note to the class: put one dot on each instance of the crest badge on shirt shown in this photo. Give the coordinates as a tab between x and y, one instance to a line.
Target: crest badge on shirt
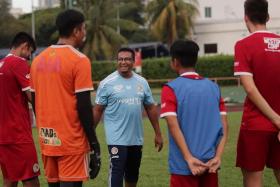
139	89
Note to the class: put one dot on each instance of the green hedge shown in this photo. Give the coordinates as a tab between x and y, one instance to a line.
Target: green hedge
159	68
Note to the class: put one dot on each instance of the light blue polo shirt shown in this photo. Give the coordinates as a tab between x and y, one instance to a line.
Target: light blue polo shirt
123	100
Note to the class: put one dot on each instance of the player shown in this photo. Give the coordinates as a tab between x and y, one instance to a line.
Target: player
18	157
257	60
61	84
121	96
196	118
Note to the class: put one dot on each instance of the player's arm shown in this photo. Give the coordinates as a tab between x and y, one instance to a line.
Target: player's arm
153	117
84	108
196	166
97	113
28	95
215	163
255	96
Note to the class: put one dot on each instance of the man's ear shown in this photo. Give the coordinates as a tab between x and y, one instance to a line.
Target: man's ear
246	18
75	31
268	17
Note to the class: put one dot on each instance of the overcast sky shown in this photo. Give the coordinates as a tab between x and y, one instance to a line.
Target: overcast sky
24	4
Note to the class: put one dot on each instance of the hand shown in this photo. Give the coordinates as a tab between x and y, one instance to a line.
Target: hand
94	161
158	142
214	164
196	166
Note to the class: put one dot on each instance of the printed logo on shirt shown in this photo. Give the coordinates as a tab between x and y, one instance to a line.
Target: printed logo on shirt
163	105
49	137
118	88
273	44
130	101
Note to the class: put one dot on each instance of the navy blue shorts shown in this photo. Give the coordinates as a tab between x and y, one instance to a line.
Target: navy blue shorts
124	164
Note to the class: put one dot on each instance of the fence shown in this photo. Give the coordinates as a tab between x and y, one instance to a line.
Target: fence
162	81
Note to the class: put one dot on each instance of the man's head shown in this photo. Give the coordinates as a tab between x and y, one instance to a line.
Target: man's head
256	11
23	45
125	61
71	24
183	54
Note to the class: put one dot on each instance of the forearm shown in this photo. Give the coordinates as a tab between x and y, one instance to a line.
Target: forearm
255	96
221	146
153	117
178	137
84	108
97	114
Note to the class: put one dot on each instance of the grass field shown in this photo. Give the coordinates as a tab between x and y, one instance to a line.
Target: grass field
154	170
233	93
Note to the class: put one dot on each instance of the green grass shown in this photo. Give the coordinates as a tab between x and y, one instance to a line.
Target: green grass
154	169
234	93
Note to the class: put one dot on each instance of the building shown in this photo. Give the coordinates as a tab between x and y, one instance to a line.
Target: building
220	24
48	4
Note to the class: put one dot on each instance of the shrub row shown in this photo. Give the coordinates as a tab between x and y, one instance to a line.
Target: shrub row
159	68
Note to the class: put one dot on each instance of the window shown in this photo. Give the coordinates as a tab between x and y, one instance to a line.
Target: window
208	12
210	48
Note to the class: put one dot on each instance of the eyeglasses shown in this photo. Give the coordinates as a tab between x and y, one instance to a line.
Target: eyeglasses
126	59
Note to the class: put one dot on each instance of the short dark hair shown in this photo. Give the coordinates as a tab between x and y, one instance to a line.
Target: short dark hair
186	51
257	11
127	49
67	20
23	37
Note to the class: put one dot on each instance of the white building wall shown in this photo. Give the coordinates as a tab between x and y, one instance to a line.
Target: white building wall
226	25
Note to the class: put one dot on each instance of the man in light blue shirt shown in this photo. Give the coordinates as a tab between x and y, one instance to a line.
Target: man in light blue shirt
122	96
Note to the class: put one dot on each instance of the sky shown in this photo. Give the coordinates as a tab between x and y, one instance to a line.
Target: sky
24	4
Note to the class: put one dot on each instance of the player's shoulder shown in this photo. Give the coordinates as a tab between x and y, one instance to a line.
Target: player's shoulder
109	79
15	61
139	78
70	51
14	58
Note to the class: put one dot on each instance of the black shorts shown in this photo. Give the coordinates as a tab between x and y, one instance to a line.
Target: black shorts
124	163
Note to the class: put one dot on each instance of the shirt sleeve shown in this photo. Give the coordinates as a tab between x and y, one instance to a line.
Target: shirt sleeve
168	102
241	61
82	74
223	110
22	74
148	96
102	95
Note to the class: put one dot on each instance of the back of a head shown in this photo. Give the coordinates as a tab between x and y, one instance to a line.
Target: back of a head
257	11
67	20
186	51
23	37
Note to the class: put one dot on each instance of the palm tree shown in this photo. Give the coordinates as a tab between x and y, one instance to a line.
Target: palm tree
103	39
171	19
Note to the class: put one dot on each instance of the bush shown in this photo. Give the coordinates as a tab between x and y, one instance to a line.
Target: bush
159	68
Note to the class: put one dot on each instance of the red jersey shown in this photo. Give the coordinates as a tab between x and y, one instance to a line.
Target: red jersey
169	101
15	124
258	55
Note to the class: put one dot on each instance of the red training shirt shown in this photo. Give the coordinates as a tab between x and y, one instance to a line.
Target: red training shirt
258	55
15	124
